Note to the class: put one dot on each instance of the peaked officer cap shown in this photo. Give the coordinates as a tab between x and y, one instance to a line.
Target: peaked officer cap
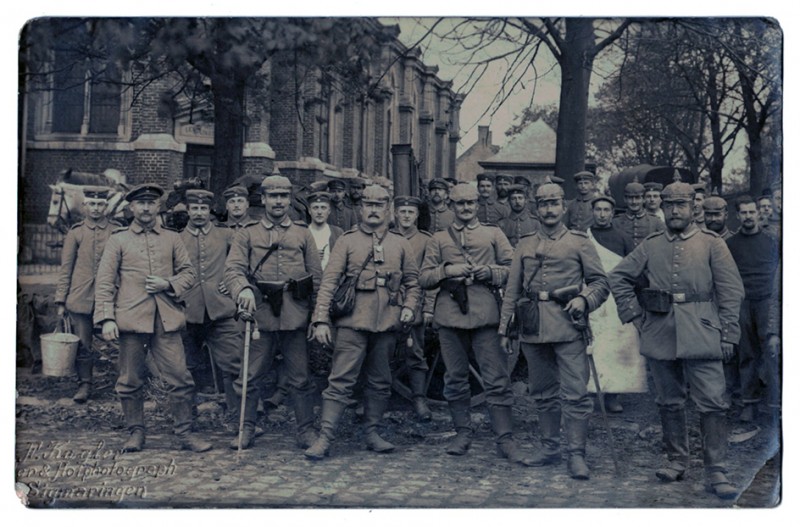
146	191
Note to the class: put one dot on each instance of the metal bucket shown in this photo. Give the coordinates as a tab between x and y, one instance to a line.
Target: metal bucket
58	354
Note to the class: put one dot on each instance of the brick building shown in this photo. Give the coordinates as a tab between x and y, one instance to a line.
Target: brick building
405	129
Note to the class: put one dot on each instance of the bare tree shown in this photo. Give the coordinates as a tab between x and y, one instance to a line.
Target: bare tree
574	43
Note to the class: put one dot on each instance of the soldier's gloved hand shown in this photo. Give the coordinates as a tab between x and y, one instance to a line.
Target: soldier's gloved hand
456	270
222	289
727	351
576	307
110	330
505	344
483	273
246	300
773	346
406	316
60	310
322	332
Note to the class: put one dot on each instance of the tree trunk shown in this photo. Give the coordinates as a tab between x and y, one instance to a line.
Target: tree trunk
758	171
577	56
229	111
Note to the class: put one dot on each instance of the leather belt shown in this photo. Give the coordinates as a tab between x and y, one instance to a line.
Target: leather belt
683	298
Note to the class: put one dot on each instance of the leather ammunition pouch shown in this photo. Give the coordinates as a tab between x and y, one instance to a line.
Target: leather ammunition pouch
526	316
302	288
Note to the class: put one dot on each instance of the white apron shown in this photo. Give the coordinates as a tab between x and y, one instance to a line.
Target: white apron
620	367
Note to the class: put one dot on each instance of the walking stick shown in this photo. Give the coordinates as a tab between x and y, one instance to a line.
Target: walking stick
602	399
248	320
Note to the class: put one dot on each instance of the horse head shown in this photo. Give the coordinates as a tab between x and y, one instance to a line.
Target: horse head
58	216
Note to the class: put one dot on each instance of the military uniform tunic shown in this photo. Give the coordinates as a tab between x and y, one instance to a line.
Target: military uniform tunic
518	224
296	257
558	369
579	212
342	216
366	337
476	330
80	258
695	261
441	218
490	212
148	323
209	313
638	226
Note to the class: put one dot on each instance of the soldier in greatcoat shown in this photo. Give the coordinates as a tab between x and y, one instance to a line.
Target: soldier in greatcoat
273	270
549	260
143	273
385	271
469	262
80	257
688	319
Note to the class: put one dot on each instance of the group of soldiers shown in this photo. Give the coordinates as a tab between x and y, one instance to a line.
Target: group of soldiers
506	266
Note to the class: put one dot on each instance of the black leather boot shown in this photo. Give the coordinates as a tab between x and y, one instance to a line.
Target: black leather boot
550	428
417	380
332	412
676	445
373	414
133	409
462	422
304	417
714	429
184	438
502	425
249	427
577	430
84	367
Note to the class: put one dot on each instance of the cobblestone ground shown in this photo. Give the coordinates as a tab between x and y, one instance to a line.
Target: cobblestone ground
67	456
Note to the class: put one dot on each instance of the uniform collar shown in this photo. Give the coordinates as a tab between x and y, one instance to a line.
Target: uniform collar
524	213
287	221
559	232
637	216
597	227
237	223
442	208
690	231
137	228
102	223
587	197
194	231
474	224
486	201
367	230
411	232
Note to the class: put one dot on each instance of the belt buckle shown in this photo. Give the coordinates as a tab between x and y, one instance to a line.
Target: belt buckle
679	298
381	281
544	296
